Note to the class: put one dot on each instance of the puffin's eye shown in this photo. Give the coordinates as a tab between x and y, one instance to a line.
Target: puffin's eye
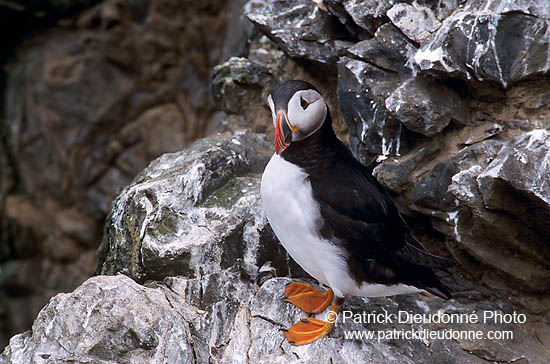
303	103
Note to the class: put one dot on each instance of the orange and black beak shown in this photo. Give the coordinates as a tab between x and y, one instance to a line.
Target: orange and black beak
283	132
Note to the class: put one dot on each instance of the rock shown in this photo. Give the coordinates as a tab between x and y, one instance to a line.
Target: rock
521	168
425	106
482	132
486	195
299	27
394	174
107	319
240	87
223	318
539	9
373	52
93	94
503	43
192	213
516	183
362	89
431	189
470	162
415	21
365	15
516	220
366	78
392	38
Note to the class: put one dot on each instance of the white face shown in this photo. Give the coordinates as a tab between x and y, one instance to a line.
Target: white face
306	110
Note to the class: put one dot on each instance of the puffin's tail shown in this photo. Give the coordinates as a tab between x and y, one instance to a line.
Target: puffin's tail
423	263
426	279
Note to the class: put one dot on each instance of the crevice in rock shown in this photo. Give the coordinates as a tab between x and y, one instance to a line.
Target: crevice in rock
268	320
248	317
517	12
357	58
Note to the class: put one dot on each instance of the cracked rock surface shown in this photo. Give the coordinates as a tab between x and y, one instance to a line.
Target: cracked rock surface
225	318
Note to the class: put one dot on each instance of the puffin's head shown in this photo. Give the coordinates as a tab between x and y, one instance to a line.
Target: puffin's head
298	110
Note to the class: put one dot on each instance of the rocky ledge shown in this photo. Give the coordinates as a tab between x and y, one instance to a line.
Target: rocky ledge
225	318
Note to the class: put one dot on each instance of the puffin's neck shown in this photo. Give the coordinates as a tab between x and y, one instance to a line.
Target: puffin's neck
319	148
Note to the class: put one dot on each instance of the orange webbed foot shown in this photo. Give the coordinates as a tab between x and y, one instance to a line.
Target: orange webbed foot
307	298
307	331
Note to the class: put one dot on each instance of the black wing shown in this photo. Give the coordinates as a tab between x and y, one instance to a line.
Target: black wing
361	216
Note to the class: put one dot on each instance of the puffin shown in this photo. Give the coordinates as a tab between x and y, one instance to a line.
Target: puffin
334	218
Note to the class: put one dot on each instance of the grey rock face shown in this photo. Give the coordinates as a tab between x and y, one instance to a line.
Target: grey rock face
223	318
426	106
365	15
89	99
390	37
299	27
395	174
372	52
416	22
522	165
367	77
230	81
106	320
362	89
240	87
431	189
508	203
487	195
193	212
503	44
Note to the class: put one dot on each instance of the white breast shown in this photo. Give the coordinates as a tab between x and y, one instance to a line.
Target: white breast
294	215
